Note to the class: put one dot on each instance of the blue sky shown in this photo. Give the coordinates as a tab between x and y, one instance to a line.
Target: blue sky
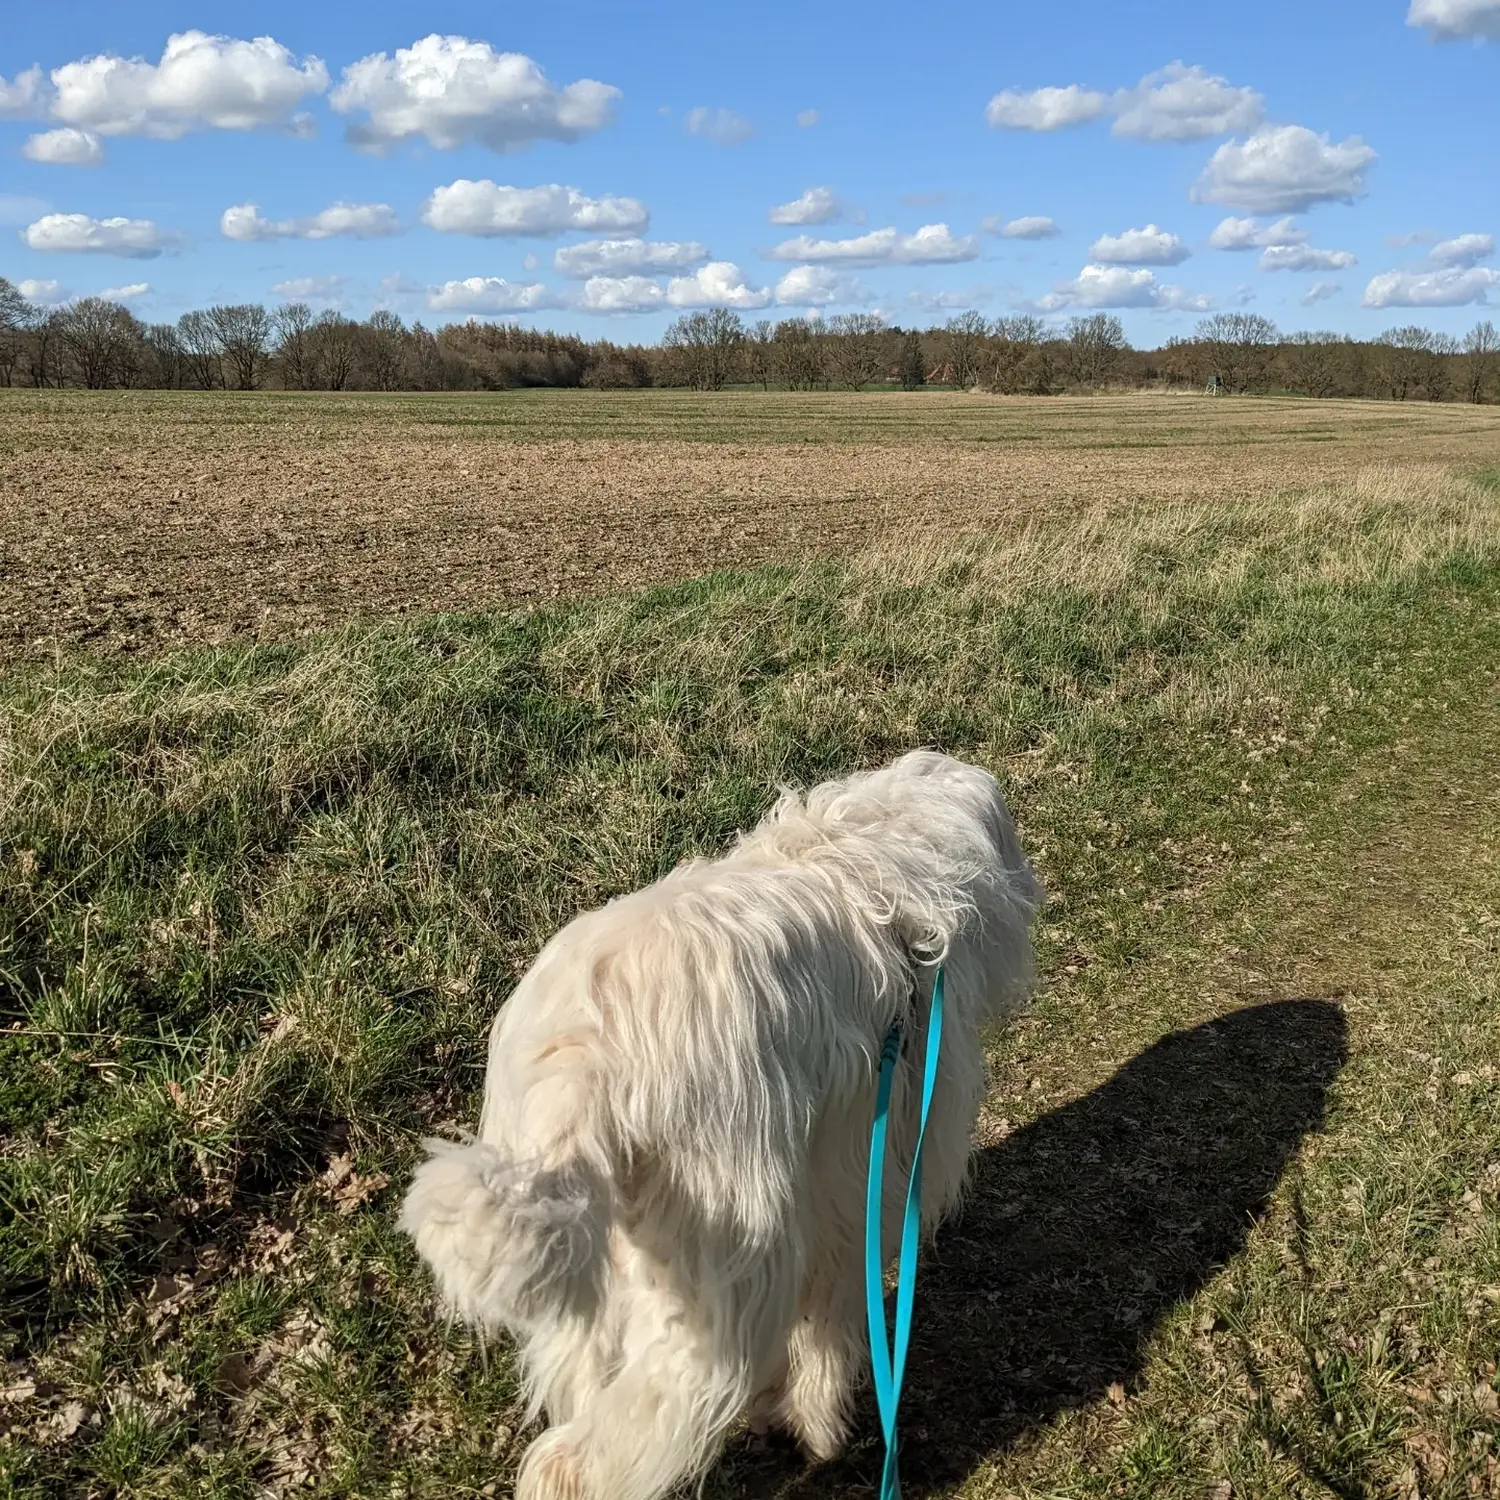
1329	163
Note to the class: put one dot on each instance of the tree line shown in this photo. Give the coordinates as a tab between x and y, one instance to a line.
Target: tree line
99	344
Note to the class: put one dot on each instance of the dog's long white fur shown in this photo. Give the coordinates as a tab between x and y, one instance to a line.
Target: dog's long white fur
664	1202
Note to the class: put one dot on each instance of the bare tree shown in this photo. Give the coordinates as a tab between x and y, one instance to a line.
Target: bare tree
166	359
708	344
385	349
963	344
15	318
1481	360
292	324
760	353
1239	347
1012	344
856	348
202	350
1401	358
1309	361
1437	373
244	333
799	354
1095	344
335	350
913	361
97	337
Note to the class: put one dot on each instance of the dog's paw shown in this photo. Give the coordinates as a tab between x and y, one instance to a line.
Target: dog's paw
550	1470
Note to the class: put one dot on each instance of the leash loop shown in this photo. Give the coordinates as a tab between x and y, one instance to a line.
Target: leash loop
889	1362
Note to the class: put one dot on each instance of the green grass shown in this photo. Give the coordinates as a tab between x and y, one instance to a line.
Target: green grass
259	906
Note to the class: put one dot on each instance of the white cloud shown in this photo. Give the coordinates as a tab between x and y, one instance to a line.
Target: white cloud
1180	103
64	148
1320	291
932	244
938	302
450	91
818	205
1304	258
398	284
818	286
1246	234
1284	169
807	118
490	294
1463	250
1449	19
1453	286
138	239
1029	227
1151	246
720	283
23	96
1045	109
620	294
721	126
202	82
311	288
43	293
130	293
632	257
1115	286
485	208
361	221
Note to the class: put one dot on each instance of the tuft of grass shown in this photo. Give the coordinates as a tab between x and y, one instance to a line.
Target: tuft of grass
258	906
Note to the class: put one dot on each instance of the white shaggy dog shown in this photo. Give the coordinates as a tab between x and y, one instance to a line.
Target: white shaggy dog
665	1201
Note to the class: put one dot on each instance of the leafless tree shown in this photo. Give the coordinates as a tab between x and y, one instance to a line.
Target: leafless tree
244	333
15	319
1437	373
1239	347
335	350
97	337
292	324
707	344
1012	344
963	346
760	353
799	354
1095	344
1481	360
1310	363
856	349
202	350
1401	358
166	360
384	350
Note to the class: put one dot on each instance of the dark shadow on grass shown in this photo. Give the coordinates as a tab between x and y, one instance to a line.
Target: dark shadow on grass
1084	1230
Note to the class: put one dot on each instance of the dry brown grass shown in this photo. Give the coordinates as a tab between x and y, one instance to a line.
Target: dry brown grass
142	520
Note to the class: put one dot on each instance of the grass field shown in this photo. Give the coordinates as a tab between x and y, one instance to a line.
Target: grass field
1234	1229
139	520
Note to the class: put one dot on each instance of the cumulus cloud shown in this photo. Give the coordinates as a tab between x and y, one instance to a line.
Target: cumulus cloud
1304	258
361	221
818	286
490	294
807	118
629	257
43	293
311	288
130	293
721	126
138	239
450	92
932	244
1115	286
620	294
1320	291
1448	20
1045	109
66	147
720	283
1151	246
1176	103
486	208
818	205
1179	103
1463	250
202	82
1028	227
23	96
1452	286
1246	234
1284	169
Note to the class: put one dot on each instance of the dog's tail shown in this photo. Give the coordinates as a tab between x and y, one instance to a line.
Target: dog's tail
509	1244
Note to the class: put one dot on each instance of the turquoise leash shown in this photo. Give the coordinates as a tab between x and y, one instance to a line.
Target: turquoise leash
891	1368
